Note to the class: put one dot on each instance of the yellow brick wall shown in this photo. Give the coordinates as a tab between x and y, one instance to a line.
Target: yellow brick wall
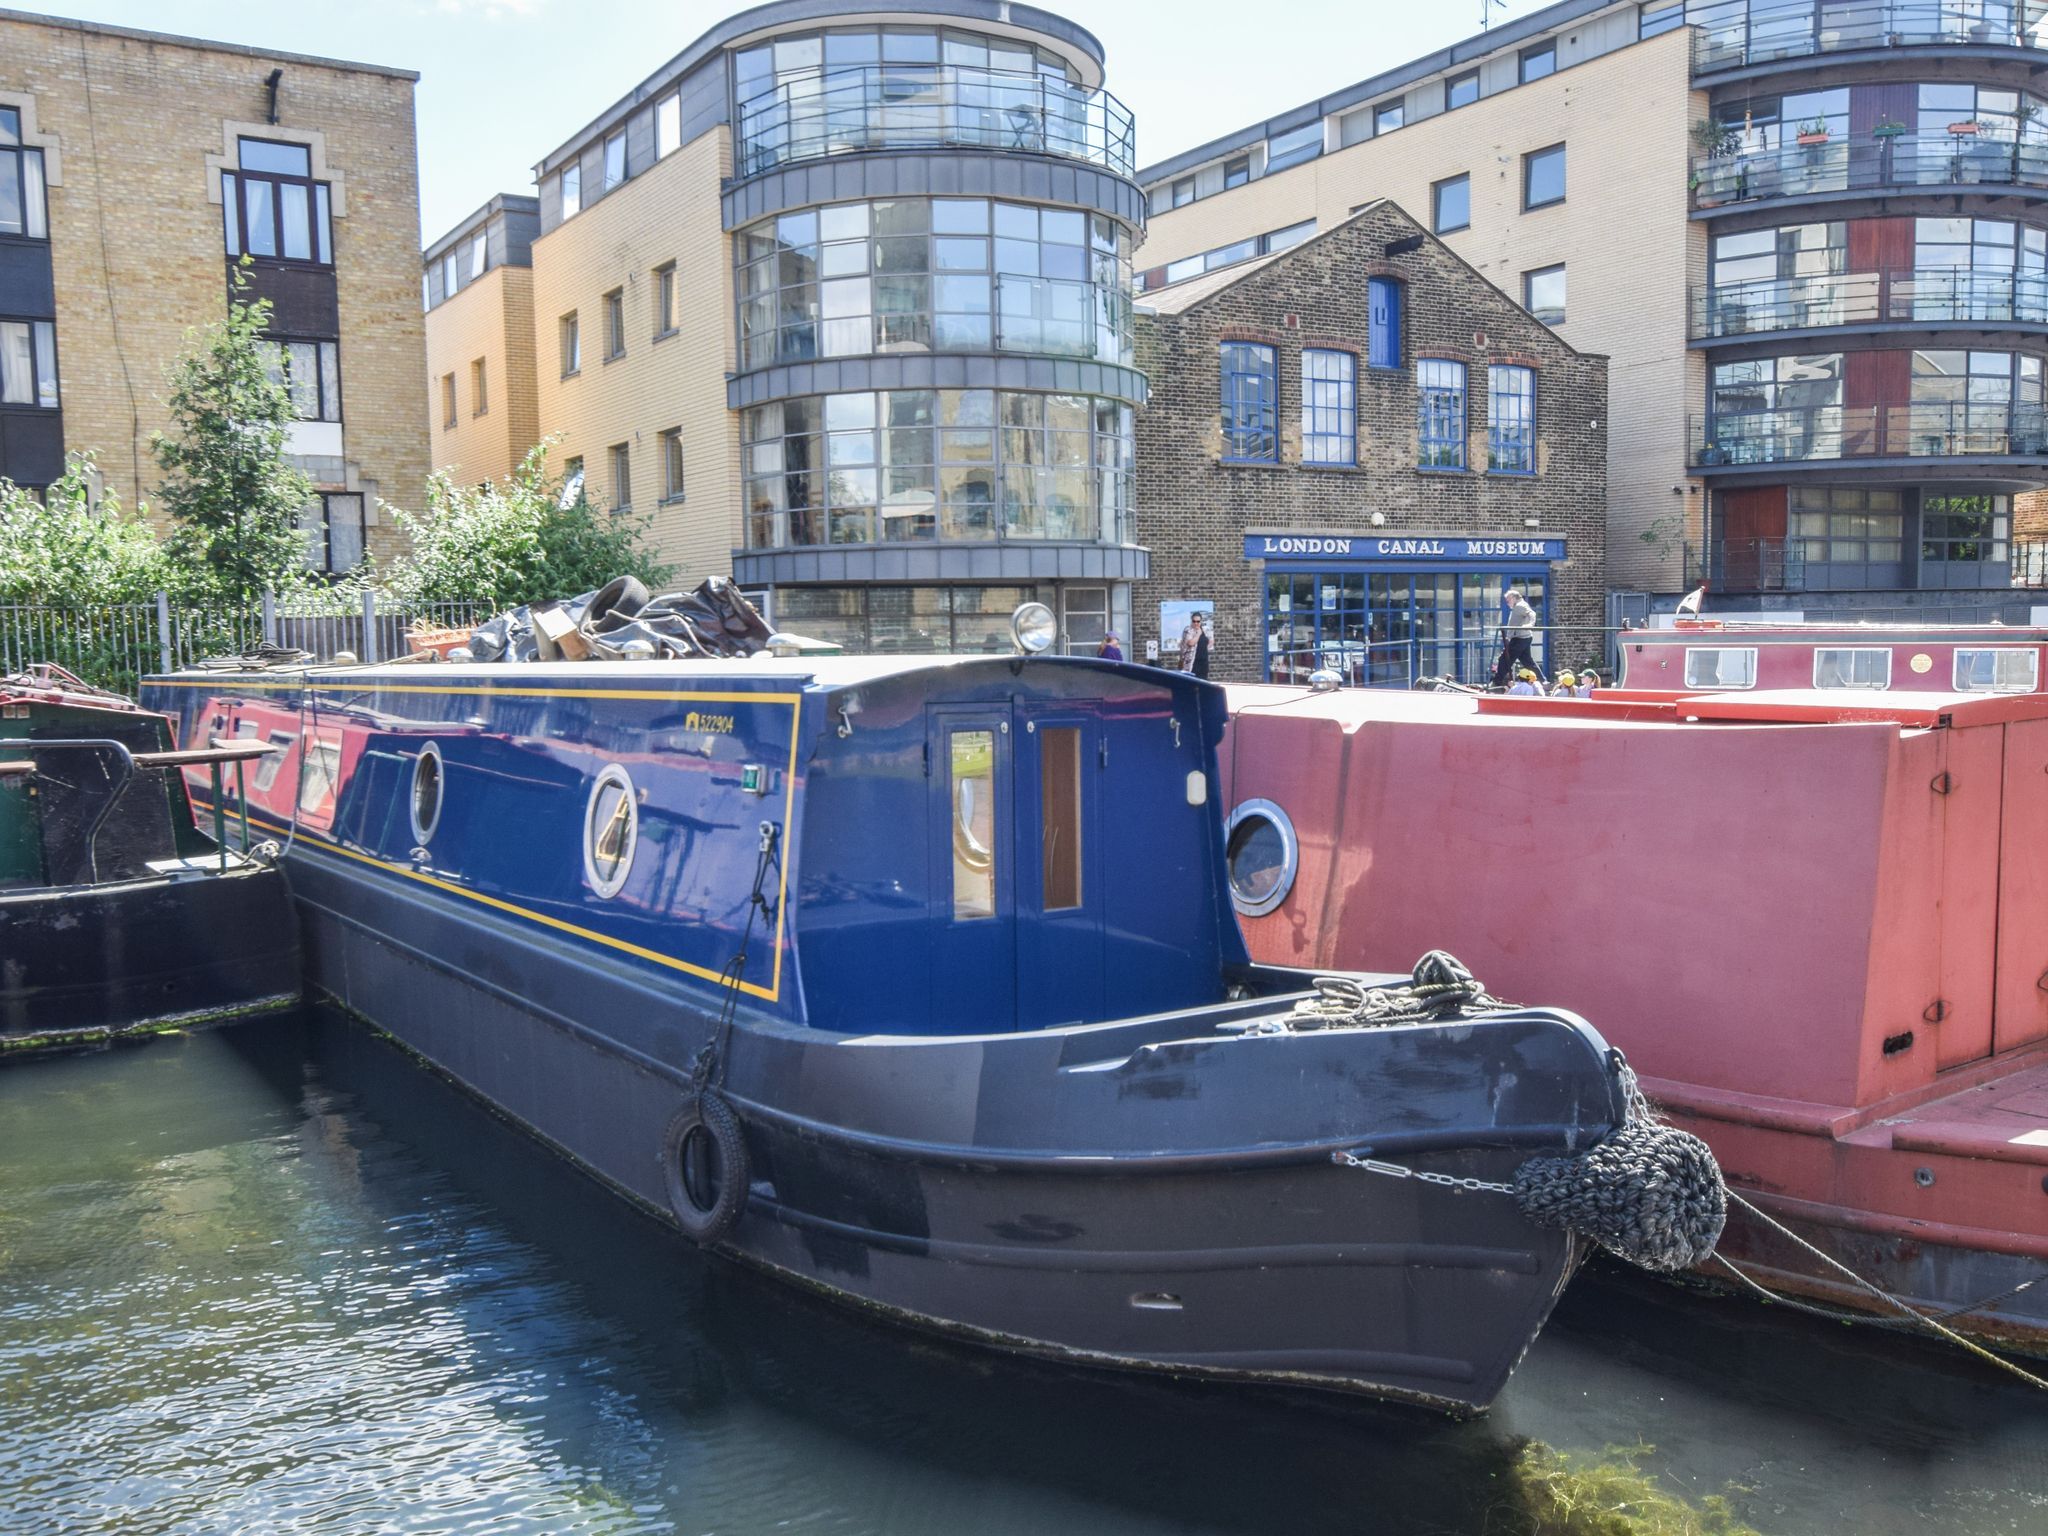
1622	234
491	319
669	213
135	231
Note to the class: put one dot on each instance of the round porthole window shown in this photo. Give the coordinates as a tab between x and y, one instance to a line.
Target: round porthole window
428	776
1261	854
611	830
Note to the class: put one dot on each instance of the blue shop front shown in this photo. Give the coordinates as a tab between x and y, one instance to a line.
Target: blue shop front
1382	610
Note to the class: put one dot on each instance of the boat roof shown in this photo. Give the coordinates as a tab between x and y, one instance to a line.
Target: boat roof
1759	627
728	674
1627	709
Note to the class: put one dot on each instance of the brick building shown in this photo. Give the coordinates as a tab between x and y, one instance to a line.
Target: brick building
1352	447
135	168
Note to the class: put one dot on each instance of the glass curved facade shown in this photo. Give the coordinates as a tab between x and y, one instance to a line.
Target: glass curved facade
917	466
847	90
933	275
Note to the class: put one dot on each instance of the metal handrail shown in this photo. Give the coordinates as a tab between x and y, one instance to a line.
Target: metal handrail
1868	164
1903	295
831	111
1732	34
1920	429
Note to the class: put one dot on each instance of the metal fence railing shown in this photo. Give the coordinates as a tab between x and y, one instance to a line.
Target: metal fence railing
115	645
1735	33
1468	658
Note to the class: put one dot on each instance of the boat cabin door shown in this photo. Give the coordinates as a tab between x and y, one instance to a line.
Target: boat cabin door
1017	893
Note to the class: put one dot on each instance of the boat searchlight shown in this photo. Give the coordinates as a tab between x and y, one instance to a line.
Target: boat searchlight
1033	628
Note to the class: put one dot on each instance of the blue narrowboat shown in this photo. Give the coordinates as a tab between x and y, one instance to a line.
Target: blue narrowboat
918	981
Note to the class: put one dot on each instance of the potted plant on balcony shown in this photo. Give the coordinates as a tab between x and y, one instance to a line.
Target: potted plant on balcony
1813	133
1712	184
1890	128
1965	129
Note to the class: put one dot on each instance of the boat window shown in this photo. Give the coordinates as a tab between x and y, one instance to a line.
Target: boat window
1720	666
426	793
268	768
1858	666
611	830
1059	760
973	755
1262	855
1998	669
316	778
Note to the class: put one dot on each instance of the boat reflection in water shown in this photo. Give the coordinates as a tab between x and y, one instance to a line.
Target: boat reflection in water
918	982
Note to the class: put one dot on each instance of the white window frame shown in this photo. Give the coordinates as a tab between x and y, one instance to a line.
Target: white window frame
2033	667
1821	651
1719	650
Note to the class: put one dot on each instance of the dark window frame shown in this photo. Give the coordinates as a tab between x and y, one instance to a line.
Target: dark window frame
1237	172
35	381
1436	203
1668	15
1530	161
1397	109
448	402
319	210
1547	49
1451	86
479	388
1174	199
569	335
325	563
673	485
665	300
14	162
615	325
285	342
1529	291
619	461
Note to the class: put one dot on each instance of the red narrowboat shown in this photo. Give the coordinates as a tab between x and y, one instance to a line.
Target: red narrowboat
1816	921
1740	655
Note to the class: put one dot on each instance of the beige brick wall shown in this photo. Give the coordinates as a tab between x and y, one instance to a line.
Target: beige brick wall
669	213
491	319
135	231
1622	234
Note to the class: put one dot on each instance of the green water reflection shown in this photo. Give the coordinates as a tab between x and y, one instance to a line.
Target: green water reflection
278	1278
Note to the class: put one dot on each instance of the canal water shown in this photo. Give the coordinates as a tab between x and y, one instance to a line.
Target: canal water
279	1278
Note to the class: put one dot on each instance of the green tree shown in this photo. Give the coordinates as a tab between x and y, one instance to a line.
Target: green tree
515	541
232	493
65	551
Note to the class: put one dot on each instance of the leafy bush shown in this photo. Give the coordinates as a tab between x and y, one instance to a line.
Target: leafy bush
65	551
514	541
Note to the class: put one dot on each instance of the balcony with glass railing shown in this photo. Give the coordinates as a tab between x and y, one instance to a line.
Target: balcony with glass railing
923	106
1834	433
1874	165
1947	296
1748	565
1738	34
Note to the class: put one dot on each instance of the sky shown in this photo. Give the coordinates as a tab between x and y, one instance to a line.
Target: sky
503	82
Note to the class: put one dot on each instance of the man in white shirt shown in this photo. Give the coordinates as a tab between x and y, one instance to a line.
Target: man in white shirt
1518	649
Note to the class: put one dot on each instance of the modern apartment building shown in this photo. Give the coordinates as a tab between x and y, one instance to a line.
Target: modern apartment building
842	299
481	383
135	171
1811	237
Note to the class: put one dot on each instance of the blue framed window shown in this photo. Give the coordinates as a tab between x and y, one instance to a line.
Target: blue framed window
1440	389
1294	147
1511	420
1329	407
1383	344
1251	401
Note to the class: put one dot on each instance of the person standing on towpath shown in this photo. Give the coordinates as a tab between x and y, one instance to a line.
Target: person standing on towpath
1518	642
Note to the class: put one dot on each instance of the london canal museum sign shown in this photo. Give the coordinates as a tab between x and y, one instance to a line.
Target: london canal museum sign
1462	549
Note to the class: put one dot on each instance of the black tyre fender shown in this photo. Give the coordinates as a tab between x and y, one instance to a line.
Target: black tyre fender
704	1168
616	604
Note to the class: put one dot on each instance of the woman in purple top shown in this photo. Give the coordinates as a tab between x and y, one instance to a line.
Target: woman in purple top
1109	650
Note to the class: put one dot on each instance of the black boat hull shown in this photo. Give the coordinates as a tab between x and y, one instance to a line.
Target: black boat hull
93	962
905	1177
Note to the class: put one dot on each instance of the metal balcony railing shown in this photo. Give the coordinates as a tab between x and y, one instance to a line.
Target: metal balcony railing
919	106
1902	296
1735	33
1748	565
1927	429
1869	164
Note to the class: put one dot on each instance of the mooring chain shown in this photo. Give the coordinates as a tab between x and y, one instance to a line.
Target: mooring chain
1396	1171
